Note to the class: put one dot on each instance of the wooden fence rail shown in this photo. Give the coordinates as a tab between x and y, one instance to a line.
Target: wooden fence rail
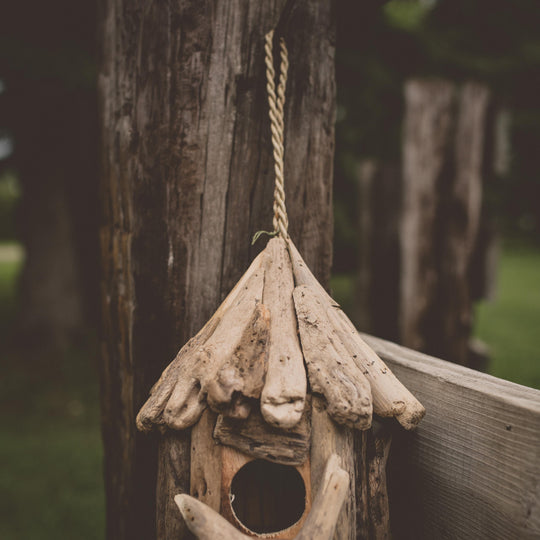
472	468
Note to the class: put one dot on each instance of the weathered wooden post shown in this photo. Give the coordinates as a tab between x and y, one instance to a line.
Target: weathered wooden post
186	179
276	331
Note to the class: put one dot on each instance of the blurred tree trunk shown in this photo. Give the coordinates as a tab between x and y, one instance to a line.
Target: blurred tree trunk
426	243
56	151
187	178
443	159
49	108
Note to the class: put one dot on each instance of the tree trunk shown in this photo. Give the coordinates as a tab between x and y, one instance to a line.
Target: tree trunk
187	179
443	160
377	284
49	107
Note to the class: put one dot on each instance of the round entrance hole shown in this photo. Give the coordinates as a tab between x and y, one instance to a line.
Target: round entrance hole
267	497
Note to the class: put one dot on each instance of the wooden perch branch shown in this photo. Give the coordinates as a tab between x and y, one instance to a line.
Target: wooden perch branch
207	524
390	397
284	394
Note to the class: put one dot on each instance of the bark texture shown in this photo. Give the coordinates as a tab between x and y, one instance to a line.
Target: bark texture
187	178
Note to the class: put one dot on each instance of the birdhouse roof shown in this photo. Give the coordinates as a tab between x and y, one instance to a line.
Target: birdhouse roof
277	336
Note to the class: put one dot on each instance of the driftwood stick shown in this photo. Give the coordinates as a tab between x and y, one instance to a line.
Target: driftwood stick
151	413
321	522
205	523
390	397
198	376
332	370
284	394
181	369
241	377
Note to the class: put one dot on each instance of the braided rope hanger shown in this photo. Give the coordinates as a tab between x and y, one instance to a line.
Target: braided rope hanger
276	102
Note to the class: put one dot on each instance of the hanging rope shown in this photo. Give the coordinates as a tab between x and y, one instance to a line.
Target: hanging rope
276	103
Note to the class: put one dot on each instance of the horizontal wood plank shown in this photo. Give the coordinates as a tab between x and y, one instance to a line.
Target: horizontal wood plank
471	470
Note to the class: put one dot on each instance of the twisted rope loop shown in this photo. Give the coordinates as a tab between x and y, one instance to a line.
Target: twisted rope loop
276	103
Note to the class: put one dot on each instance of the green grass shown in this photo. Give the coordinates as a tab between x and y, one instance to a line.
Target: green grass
51	483
510	324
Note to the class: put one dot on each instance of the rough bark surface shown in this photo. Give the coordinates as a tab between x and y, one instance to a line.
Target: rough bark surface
187	178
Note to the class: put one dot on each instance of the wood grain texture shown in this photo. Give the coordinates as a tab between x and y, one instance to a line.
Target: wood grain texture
471	468
205	471
256	438
187	179
390	396
173	476
184	371
331	438
284	394
332	370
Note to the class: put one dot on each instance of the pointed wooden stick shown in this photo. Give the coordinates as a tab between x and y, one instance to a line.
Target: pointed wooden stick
205	523
284	394
151	413
242	374
390	397
201	368
332	370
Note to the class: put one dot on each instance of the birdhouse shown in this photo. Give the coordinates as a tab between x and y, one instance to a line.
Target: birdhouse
276	369
272	388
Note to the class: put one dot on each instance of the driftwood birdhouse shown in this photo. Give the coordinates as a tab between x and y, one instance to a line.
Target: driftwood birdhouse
273	387
253	384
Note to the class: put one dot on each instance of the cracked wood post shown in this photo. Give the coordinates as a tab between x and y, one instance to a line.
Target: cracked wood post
187	179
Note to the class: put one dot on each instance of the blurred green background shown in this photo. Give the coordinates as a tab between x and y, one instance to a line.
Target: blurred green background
51	479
